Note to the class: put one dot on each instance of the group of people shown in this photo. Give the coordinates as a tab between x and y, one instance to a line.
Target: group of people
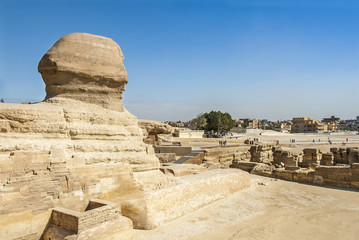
223	143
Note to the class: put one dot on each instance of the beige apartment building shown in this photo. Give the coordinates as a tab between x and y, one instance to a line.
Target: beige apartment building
253	124
305	124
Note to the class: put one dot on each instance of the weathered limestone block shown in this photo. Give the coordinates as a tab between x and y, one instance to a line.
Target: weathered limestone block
187	194
178	170
261	153
340	156
242	156
282	174
279	156
155	126
80	143
195	158
304	175
263	170
166	157
327	159
339	176
311	158
244	165
211	166
354	179
117	229
100	219
291	162
353	155
225	160
150	180
285	158
178	150
225	156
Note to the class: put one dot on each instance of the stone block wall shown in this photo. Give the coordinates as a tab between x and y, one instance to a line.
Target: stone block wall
311	158
225	156
327	159
166	157
178	150
243	165
76	222
340	155
342	175
242	156
339	176
198	159
345	155
353	155
261	153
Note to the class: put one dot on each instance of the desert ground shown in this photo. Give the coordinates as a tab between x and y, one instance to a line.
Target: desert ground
269	209
302	140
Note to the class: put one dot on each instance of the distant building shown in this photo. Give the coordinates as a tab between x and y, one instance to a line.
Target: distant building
307	125
349	126
357	118
188	133
332	119
249	123
253	124
332	126
285	127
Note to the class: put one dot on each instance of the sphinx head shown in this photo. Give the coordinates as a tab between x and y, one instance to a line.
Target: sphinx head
87	68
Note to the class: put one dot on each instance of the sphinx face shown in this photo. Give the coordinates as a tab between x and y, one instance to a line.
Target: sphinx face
87	68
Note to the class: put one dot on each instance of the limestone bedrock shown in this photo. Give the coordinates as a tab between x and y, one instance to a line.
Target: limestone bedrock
78	144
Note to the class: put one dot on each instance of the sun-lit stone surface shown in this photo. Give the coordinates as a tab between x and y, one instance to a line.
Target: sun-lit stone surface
85	67
79	144
187	194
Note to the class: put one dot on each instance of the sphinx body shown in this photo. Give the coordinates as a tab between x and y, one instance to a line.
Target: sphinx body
79	143
75	166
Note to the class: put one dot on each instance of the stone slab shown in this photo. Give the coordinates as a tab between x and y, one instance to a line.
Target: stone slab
188	193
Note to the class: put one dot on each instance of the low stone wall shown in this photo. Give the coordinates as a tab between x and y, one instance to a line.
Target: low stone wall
226	155
243	165
344	176
261	153
166	157
178	150
196	159
101	218
187	194
99	212
338	176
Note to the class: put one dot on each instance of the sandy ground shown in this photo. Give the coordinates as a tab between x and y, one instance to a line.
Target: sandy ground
339	140
269	209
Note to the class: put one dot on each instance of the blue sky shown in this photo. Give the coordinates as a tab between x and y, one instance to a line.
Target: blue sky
273	59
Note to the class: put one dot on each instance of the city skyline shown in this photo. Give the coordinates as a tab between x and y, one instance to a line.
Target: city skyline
270	60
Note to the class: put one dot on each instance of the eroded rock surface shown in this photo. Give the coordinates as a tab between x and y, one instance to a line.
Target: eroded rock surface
155	126
79	144
87	68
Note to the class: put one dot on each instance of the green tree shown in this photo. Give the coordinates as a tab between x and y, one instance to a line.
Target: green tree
218	121
200	122
227	122
214	121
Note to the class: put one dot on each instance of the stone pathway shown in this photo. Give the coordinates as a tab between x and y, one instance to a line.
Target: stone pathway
184	159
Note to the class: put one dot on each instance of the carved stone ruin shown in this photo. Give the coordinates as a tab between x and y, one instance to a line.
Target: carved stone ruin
81	144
